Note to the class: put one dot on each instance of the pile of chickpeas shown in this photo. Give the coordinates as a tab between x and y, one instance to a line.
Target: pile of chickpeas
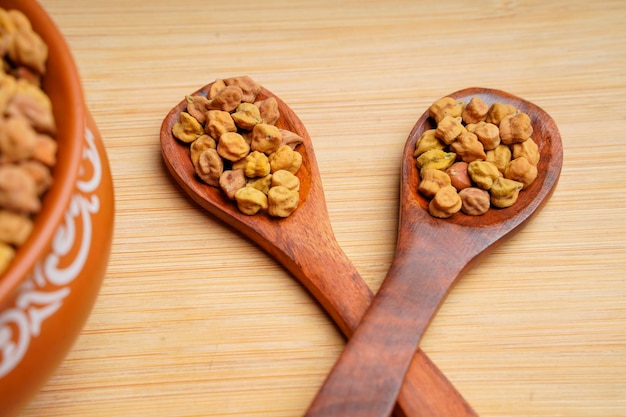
235	145
27	132
477	157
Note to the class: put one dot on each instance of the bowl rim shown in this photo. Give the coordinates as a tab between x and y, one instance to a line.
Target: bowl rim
66	80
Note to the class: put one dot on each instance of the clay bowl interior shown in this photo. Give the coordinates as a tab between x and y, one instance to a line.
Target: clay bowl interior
62	84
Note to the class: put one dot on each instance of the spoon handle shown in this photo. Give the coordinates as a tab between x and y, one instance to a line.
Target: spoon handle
367	378
426	391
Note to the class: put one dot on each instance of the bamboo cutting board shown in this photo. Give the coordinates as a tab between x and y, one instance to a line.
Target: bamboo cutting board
194	320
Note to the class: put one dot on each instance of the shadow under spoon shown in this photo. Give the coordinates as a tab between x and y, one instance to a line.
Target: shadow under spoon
305	245
431	255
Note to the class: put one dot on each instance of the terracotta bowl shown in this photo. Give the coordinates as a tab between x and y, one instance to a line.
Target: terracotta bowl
51	285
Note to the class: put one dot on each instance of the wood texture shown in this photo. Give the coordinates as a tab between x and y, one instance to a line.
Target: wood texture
194	320
431	255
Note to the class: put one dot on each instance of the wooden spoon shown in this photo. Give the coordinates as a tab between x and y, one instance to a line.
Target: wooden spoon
305	245
431	255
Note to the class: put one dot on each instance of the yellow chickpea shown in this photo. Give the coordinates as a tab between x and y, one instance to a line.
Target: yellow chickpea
504	192
428	141
251	200
285	158
282	201
432	180
445	203
232	146
187	129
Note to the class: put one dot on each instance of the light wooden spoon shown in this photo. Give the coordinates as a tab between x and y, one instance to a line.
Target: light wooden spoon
305	245
431	255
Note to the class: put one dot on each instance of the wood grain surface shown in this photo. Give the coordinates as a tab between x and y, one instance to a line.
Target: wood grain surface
194	320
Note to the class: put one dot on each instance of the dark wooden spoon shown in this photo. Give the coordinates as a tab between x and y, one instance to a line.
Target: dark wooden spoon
431	255
305	245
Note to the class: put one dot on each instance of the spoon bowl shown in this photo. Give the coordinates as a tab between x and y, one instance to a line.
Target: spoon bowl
305	245
431	255
545	134
177	159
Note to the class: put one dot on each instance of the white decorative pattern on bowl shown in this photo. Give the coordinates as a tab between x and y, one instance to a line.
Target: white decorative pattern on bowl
42	294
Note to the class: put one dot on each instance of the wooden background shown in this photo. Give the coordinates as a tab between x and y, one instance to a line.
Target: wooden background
193	320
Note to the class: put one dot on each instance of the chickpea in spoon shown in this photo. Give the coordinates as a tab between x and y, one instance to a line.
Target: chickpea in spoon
235	145
304	243
435	246
478	156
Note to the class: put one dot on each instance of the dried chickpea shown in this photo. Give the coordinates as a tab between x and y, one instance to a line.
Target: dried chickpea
7	25
26	46
475	111
232	146
17	140
528	149
448	129
282	201
45	150
262	184
187	129
487	133
215	89
20	21
432	180
256	164
483	173
227	99
249	88
8	87
474	201
446	106
247	116
247	135
499	111
40	174
241	164
14	227
521	170
266	138
504	192
515	128
445	203
32	104
28	88
435	159
200	145
268	109
231	181
459	178
219	122
290	139
470	127
428	141
251	200
468	147
18	190
501	156
209	167
286	179
285	158
7	253
197	106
